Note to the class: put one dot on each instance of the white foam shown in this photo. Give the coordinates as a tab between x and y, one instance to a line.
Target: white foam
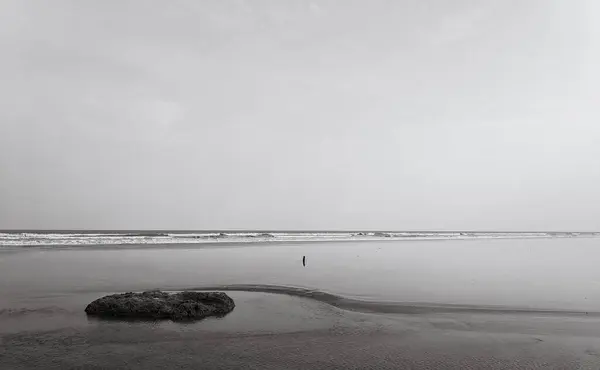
49	239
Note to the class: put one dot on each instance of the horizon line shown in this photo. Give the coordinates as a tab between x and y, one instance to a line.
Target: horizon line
295	230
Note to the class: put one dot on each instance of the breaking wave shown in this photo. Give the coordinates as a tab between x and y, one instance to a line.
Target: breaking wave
29	239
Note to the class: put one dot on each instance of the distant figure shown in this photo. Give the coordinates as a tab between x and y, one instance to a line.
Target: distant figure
304	261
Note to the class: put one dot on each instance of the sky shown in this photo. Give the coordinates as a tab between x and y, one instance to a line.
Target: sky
297	114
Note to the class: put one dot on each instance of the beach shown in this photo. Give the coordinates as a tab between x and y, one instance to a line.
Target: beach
431	304
299	185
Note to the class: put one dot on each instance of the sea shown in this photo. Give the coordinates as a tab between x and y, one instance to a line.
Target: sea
30	238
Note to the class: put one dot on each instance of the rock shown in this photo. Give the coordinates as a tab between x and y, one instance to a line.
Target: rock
161	305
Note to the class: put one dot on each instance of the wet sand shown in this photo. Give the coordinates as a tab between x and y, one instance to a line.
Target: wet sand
43	294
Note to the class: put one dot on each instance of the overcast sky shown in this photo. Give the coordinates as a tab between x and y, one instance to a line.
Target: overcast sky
282	114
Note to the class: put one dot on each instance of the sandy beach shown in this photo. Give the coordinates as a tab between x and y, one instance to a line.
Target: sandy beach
481	304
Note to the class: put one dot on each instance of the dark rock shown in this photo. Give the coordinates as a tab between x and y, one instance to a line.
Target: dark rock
161	305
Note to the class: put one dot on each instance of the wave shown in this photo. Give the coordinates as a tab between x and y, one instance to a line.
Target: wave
26	239
386	307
